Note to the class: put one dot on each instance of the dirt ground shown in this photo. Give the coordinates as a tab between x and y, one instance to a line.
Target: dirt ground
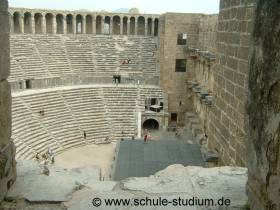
91	155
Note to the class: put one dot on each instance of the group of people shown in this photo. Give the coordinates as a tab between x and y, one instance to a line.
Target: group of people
47	157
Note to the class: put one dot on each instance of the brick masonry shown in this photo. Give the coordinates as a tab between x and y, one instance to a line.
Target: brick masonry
227	131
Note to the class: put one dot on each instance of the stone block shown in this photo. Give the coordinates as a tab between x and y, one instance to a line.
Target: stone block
4	56
5	112
3	5
4	22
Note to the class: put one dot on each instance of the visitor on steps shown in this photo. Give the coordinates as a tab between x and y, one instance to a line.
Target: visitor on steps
126	61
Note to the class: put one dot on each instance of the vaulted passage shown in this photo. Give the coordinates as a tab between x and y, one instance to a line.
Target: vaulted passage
116	25
16	19
98	24
107	25
49	23
151	124
141	26
27	23
125	19
89	22
38	23
132	26
69	24
59	24
79	24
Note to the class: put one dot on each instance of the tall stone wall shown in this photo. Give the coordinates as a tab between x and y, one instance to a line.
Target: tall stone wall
227	118
208	32
175	83
264	108
7	151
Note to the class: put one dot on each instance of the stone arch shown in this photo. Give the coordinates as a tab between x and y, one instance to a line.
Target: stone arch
107	25
49	23
141	26
125	24
38	18
16	21
79	24
116	25
27	23
89	21
156	27
132	26
98	24
59	24
151	124
150	25
69	24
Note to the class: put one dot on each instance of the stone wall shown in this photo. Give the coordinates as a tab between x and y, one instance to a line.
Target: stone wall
7	150
174	83
208	32
227	117
263	108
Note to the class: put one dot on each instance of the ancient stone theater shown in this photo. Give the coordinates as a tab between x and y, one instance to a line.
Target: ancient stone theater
98	105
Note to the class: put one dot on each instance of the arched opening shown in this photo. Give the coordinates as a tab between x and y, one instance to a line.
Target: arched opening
27	23
156	27
125	19
151	124
141	26
79	24
69	23
149	32
59	24
16	18
98	24
116	25
107	25
38	23
89	24
49	23
132	26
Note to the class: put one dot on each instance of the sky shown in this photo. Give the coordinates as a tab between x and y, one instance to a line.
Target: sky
145	6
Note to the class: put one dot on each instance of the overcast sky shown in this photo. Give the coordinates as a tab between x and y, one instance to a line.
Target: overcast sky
145	6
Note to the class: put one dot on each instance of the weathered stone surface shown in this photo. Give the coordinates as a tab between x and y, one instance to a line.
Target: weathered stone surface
5	46
7	168
263	108
173	182
33	186
5	113
4	5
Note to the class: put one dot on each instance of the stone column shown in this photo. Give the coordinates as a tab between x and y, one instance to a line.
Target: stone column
102	25
84	23
7	149
74	24
32	24
153	27
93	25
44	27
121	25
136	26
146	27
64	24
111	25
21	23
11	23
54	29
128	27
